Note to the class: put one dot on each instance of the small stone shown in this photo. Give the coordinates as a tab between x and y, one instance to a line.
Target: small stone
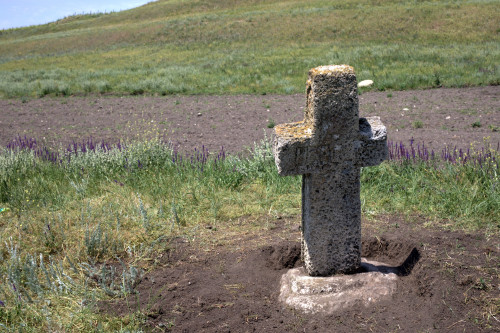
406	109
199	114
448	117
365	83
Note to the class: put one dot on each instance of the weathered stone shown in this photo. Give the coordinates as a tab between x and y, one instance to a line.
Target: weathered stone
328	148
330	294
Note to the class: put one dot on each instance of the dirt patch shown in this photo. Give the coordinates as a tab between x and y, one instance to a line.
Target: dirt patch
451	287
284	255
437	117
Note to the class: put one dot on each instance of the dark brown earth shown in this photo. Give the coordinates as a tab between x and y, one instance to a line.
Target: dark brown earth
437	117
226	279
232	284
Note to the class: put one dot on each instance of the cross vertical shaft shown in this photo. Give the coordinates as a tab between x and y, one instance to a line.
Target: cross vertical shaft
331	222
328	149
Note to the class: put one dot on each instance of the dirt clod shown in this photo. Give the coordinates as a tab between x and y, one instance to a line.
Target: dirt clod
282	255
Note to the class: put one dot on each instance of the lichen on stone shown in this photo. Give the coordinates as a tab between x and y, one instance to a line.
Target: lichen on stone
297	130
333	70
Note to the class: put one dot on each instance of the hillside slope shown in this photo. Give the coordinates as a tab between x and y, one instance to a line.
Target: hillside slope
252	46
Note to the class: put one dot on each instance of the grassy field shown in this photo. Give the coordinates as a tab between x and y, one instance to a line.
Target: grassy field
68	211
248	46
64	213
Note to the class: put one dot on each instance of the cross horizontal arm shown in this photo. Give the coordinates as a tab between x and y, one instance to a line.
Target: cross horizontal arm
295	154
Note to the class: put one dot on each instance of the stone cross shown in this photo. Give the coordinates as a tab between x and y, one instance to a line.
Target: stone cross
328	148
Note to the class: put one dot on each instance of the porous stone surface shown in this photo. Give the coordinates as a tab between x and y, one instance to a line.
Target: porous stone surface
328	148
328	295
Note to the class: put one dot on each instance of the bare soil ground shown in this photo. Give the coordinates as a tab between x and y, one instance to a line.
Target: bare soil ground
436	117
226	279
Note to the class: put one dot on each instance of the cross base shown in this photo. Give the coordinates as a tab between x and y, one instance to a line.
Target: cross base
327	295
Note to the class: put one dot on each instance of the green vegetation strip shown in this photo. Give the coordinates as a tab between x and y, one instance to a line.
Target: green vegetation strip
229	47
68	212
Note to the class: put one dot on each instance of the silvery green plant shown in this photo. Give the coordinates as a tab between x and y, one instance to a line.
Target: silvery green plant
80	187
260	160
96	241
29	278
111	282
175	220
15	162
144	214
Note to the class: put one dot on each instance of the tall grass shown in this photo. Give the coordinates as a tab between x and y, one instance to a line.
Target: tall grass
171	47
72	211
458	188
80	221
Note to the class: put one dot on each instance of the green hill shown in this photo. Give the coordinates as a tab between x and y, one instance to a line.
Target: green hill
252	46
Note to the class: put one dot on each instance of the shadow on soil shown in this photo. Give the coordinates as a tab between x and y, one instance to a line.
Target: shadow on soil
375	246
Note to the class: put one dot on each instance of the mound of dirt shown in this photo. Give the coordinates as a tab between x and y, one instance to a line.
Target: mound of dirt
449	282
284	255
